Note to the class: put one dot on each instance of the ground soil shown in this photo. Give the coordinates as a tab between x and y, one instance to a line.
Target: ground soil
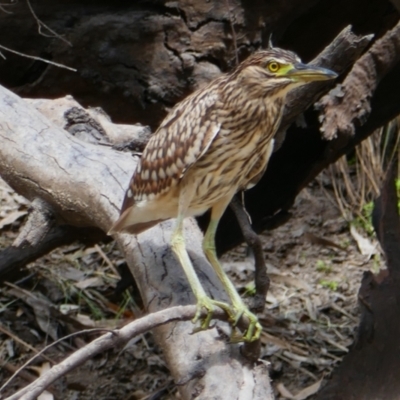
309	322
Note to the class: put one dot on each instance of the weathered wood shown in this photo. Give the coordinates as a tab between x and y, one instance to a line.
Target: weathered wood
261	278
15	258
138	60
349	105
83	185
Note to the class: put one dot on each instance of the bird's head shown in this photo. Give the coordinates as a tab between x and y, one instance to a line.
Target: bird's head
278	70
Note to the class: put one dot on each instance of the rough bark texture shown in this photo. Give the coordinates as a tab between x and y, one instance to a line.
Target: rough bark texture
349	105
137	60
14	259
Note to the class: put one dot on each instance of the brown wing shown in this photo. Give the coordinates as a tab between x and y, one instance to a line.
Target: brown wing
182	138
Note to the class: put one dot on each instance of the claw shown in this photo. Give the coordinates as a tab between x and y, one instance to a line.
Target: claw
209	305
252	332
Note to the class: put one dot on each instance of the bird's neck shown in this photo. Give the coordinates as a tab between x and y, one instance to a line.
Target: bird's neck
248	114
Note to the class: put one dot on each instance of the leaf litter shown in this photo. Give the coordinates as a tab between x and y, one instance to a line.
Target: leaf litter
309	323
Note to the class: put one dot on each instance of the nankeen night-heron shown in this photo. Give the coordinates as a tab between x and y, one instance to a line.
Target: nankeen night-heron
212	144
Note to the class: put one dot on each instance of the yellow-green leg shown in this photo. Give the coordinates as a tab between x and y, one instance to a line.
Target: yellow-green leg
203	301
254	329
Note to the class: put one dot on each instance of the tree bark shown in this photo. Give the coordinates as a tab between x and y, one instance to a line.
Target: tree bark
137	59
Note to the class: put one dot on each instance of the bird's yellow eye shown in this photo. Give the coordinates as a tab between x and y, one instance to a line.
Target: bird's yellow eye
273	66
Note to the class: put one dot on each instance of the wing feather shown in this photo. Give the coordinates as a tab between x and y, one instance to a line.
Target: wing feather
183	137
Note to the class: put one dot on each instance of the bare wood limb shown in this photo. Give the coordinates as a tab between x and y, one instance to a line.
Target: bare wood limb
338	56
348	105
84	185
261	278
41	25
20	370
14	258
26	376
116	338
39	223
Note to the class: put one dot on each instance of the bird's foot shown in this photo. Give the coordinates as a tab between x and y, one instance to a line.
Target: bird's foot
254	329
210	305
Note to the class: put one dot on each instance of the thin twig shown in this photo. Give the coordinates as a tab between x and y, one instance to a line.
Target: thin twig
233	32
37	58
105	342
43	25
107	260
47	348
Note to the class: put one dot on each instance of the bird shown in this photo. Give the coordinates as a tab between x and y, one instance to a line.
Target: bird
212	144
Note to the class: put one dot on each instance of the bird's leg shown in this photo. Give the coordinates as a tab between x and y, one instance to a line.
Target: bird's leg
203	301
254	329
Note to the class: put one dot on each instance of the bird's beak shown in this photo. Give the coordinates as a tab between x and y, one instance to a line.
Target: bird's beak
309	73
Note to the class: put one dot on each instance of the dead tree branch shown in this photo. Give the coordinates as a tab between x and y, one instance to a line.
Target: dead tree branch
114	339
349	105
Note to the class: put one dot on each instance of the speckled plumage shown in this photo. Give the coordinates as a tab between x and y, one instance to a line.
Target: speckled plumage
215	142
218	139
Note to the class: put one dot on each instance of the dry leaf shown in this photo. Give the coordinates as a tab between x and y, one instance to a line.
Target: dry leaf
19	312
292	281
40	371
72	273
283	391
46	396
364	245
11	218
68	308
42	309
90	282
312	312
308	391
85	320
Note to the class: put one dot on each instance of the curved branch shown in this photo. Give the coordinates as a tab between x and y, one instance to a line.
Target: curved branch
349	105
116	338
